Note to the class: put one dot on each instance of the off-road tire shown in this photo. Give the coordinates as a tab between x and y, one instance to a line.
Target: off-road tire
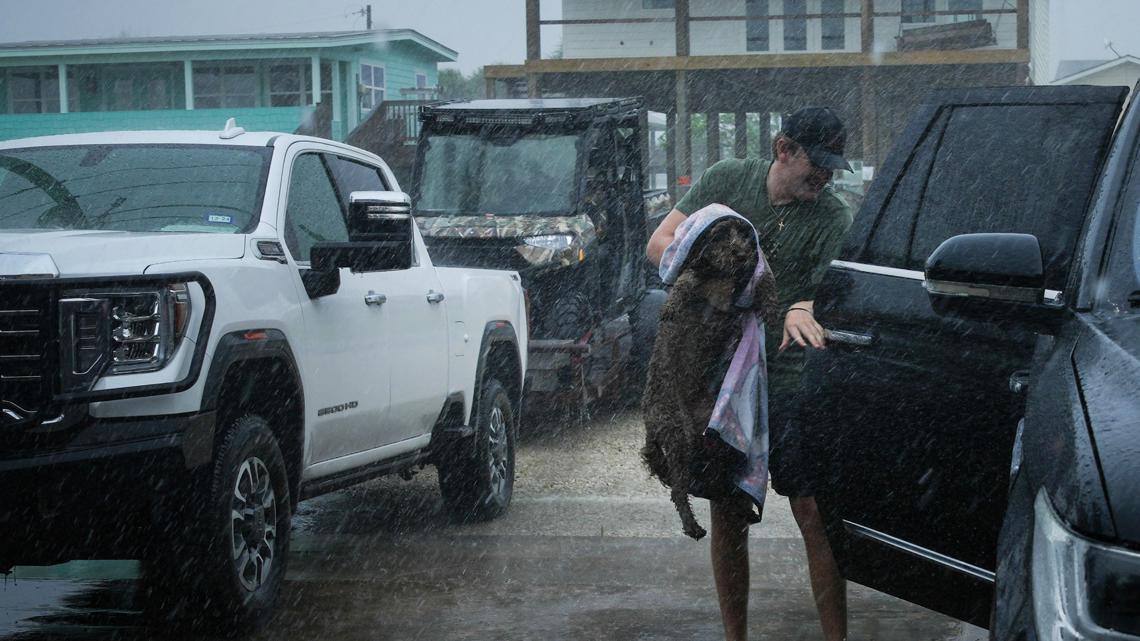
568	318
477	477
246	525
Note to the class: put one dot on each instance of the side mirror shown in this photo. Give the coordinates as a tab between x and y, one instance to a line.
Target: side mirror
987	276
380	238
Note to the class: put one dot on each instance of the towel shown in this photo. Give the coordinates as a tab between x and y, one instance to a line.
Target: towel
740	415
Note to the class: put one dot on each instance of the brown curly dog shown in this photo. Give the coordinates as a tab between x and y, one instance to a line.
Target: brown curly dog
698	331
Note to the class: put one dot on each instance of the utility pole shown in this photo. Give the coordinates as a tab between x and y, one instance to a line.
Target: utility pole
366	11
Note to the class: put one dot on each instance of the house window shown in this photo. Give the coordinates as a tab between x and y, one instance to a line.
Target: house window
971	10
421	81
287	85
139	87
225	85
757	25
35	90
795	26
372	83
916	11
834	26
658	4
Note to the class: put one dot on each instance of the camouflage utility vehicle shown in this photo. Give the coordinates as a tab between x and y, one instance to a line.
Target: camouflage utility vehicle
552	189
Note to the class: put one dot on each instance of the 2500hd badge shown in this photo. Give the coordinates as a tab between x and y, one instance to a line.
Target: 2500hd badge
324	411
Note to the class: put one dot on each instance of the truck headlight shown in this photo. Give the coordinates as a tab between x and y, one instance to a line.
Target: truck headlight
128	331
548	248
1082	589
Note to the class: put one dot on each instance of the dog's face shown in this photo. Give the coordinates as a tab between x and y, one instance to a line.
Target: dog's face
725	259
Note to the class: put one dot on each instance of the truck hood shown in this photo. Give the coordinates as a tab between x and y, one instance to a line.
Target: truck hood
1108	363
102	253
505	227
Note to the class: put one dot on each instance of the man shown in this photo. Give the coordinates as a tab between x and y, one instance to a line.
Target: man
801	224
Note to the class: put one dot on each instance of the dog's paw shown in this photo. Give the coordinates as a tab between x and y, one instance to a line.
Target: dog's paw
695	532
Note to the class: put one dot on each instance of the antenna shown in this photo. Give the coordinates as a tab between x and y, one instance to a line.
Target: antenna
1108	45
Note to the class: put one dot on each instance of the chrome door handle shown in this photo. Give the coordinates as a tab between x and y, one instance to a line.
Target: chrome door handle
372	298
849	338
434	296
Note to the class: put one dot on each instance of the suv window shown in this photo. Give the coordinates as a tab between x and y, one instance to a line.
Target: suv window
961	181
313	213
353	176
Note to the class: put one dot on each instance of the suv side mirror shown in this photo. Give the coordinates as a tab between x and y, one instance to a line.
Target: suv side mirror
381	237
987	276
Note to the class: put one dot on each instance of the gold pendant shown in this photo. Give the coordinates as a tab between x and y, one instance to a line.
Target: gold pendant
780	225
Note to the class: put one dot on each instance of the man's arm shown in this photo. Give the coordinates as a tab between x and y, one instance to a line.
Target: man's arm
801	328
663	235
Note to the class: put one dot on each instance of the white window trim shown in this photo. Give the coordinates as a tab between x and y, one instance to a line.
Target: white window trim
383	88
416	79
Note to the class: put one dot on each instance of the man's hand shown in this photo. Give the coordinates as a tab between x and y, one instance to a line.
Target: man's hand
800	327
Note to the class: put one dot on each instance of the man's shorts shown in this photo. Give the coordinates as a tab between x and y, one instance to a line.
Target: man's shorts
792	463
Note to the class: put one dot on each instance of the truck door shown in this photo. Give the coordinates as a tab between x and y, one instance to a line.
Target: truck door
414	321
913	414
345	351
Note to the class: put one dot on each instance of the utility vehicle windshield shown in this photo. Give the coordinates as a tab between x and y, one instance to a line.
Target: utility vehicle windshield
470	174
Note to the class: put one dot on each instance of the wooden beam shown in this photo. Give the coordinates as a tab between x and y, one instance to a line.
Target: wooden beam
684	135
671	154
867	26
533	31
712	138
644	147
740	132
1022	24
868	116
681	12
762	61
489	87
532	90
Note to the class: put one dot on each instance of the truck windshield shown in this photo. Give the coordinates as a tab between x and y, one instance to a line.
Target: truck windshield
138	188
469	174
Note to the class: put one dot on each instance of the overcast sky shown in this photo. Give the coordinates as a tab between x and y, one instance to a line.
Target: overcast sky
482	31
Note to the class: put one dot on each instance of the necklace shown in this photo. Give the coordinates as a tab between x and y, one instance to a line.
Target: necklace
781	214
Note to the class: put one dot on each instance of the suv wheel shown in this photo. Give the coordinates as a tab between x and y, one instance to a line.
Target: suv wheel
477	480
247	523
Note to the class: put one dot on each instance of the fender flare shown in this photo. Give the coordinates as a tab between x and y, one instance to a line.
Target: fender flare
246	345
497	333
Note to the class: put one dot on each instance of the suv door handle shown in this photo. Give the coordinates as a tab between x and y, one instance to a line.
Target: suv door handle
434	296
849	338
372	298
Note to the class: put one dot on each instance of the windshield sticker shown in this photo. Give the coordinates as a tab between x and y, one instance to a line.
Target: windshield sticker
220	218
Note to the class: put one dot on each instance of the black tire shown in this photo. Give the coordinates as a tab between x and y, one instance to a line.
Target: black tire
568	317
477	478
643	323
249	478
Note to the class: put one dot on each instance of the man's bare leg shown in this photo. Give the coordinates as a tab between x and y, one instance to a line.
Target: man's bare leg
729	547
827	584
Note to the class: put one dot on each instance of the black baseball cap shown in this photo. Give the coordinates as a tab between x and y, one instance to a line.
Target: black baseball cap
821	133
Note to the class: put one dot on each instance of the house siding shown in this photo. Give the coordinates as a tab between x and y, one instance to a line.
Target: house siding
657	39
283	119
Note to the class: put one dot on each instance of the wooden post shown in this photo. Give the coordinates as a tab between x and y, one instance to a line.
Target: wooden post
684	135
671	154
1022	24
741	134
644	147
490	87
681	20
868	117
533	31
764	134
532	90
712	131
867	24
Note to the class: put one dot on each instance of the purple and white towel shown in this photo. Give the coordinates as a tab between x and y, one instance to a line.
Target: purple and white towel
740	415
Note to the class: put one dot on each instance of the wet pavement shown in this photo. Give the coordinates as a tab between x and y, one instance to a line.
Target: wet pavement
591	549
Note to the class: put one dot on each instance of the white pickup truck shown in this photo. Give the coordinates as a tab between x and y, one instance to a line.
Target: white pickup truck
199	329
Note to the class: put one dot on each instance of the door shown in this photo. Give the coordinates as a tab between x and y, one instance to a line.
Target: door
415	322
914	414
345	346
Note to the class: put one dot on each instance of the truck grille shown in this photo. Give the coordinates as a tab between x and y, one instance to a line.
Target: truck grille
25	336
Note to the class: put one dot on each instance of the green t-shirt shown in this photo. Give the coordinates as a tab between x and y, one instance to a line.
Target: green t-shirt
799	240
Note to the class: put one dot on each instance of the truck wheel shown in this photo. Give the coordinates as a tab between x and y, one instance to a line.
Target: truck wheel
246	524
477	481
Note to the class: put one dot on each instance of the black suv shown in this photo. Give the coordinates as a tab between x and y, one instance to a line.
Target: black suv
978	406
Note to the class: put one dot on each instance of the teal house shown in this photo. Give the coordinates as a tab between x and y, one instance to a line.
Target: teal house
321	83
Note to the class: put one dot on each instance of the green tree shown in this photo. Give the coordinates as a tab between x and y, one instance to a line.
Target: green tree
453	85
